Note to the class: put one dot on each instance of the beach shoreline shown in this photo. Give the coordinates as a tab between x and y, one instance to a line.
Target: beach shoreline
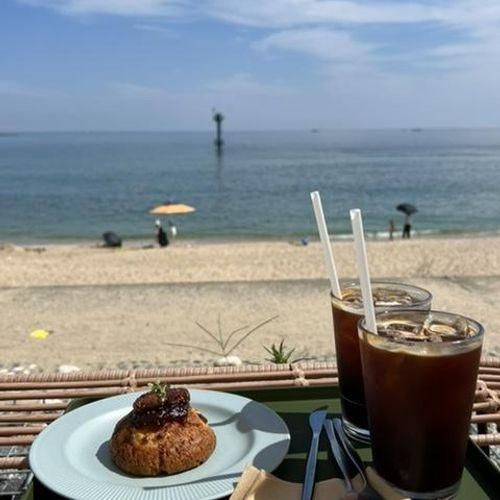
295	239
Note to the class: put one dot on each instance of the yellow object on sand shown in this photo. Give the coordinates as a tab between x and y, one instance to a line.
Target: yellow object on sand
39	334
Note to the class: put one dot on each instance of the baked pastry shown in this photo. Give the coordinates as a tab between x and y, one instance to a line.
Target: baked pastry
163	434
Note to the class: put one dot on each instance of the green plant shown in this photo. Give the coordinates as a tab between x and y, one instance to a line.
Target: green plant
280	355
160	389
239	335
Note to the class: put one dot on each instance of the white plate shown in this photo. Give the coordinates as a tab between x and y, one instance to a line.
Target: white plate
71	456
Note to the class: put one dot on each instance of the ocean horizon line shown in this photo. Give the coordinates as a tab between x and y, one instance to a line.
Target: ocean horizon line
311	129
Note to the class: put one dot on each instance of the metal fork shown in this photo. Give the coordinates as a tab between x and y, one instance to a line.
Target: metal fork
316	419
338	454
350	454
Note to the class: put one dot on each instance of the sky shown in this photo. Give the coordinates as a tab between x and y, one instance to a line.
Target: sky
266	64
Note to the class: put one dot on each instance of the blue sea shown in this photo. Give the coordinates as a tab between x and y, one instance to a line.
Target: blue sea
68	187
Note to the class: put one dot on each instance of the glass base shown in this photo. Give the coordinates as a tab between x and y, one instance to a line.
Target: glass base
355	432
443	494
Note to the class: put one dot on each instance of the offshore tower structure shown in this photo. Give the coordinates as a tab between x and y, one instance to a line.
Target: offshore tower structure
218	118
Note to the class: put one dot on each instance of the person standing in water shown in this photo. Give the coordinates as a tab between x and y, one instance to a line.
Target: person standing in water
407	226
392	228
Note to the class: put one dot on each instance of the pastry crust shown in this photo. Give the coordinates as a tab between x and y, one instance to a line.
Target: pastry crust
174	447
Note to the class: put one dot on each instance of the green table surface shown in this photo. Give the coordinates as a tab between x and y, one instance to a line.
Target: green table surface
481	479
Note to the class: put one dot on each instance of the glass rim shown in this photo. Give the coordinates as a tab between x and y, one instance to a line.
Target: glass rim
479	335
355	282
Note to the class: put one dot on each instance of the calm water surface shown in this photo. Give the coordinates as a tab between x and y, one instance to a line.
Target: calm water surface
74	186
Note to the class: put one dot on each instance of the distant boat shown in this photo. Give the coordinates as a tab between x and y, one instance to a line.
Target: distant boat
416	129
314	130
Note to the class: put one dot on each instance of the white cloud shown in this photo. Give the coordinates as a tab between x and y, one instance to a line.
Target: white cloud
16	89
154	28
471	12
134	91
242	84
113	7
9	88
322	43
314	27
475	19
274	13
283	13
451	79
289	13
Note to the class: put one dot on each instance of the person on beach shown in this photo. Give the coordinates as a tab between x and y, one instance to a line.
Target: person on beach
407	227
392	228
172	230
161	235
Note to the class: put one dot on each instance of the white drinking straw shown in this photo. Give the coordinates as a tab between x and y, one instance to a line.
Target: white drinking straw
325	240
364	274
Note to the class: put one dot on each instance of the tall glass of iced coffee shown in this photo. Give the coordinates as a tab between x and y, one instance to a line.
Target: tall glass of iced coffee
346	313
420	373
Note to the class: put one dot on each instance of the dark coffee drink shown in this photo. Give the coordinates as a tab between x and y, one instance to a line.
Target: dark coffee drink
346	314
420	375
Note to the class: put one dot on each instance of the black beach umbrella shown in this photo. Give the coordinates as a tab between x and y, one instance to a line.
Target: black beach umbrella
407	208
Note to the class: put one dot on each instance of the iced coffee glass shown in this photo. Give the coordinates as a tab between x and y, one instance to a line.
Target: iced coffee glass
420	375
346	314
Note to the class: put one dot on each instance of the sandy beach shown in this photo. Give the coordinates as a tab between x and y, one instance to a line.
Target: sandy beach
125	307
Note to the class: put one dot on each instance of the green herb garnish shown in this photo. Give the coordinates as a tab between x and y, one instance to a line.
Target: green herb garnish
160	389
